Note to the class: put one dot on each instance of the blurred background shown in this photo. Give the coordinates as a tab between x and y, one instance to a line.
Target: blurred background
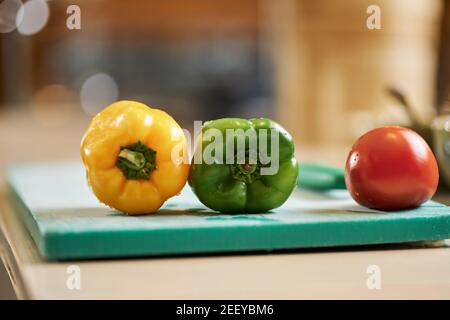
314	66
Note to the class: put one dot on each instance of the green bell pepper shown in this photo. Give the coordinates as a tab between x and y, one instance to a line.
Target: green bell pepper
243	185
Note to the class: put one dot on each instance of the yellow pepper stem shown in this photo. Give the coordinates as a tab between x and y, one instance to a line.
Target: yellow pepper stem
137	161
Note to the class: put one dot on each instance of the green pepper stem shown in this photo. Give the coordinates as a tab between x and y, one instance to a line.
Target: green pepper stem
247	168
246	172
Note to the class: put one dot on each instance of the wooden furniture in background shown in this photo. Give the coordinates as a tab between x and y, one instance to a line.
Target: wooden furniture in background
331	70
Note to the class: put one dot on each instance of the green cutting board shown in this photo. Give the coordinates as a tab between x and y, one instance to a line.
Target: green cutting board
67	222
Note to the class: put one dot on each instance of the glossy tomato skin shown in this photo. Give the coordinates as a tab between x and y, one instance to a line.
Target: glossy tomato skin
391	168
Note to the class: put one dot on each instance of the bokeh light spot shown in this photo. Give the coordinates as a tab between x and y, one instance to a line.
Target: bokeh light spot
32	17
8	13
97	92
53	105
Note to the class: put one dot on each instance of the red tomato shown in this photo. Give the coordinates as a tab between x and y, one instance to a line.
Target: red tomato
391	168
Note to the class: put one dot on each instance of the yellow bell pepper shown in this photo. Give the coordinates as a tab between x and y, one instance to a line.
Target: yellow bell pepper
128	152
